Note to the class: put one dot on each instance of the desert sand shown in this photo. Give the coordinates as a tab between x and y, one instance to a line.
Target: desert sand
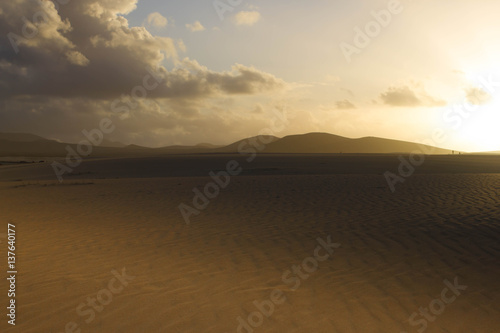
396	249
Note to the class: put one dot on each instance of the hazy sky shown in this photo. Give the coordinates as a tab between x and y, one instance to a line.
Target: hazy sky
221	70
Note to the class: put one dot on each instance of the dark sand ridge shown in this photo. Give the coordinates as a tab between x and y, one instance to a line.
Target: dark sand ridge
264	164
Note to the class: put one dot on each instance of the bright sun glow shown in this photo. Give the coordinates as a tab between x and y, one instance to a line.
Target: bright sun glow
481	130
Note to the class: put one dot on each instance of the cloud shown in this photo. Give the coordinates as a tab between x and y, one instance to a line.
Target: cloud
181	46
477	96
39	28
190	79
402	96
85	48
76	58
258	109
345	105
152	123
157	20
196	26
247	18
405	96
85	56
89	50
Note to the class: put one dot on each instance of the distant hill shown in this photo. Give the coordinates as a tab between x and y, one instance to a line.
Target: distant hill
487	153
324	143
208	145
109	143
21	144
21	137
260	140
18	144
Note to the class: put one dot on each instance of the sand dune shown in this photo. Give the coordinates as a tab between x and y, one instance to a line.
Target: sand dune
396	248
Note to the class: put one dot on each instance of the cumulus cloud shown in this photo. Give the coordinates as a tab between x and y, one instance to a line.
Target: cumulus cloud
345	105
181	46
34	27
190	79
157	20
89	50
85	47
196	26
247	18
405	96
63	68
76	58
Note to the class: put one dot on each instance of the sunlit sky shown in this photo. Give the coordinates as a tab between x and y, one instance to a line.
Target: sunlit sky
224	72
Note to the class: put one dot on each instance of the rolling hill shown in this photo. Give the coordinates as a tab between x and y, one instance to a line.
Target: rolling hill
324	143
19	144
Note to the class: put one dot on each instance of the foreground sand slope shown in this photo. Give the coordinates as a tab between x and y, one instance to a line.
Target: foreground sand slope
396	251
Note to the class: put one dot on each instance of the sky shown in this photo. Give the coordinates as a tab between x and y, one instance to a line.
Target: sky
193	71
